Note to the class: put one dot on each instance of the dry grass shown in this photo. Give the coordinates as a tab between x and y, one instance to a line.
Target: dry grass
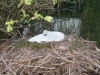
72	56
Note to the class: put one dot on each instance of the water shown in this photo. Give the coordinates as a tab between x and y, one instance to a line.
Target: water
67	26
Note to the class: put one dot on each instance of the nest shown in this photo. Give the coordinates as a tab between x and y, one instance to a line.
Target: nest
72	56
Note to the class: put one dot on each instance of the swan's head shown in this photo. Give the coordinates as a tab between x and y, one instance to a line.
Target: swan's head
45	32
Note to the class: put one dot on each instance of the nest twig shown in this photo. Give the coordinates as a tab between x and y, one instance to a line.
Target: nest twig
78	58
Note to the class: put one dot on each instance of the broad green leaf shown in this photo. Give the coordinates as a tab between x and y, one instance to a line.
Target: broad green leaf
48	18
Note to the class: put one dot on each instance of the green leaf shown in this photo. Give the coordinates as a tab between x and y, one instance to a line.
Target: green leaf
19	5
54	2
38	16
9	28
28	2
9	25
11	22
24	13
21	2
48	18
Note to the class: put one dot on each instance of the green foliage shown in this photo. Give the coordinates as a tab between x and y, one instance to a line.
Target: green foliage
21	44
55	1
38	16
26	2
78	42
91	19
25	5
25	43
9	25
48	18
71	47
40	46
24	13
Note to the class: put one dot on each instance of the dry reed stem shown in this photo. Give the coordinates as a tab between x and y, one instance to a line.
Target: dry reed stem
78	61
8	66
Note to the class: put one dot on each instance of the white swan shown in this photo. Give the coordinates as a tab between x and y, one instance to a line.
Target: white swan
47	36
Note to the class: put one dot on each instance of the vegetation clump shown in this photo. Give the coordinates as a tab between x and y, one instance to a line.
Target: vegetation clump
24	43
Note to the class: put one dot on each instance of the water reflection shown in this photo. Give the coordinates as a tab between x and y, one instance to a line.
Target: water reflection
67	26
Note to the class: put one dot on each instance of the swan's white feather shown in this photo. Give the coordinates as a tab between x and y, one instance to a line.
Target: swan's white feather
51	36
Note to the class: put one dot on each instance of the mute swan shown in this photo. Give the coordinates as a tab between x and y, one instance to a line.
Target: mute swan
48	36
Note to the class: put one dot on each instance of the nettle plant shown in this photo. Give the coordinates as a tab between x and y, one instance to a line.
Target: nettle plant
23	6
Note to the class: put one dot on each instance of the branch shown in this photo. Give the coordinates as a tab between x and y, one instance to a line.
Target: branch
8	66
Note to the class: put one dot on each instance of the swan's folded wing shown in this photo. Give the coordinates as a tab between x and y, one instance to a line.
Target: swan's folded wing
39	38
